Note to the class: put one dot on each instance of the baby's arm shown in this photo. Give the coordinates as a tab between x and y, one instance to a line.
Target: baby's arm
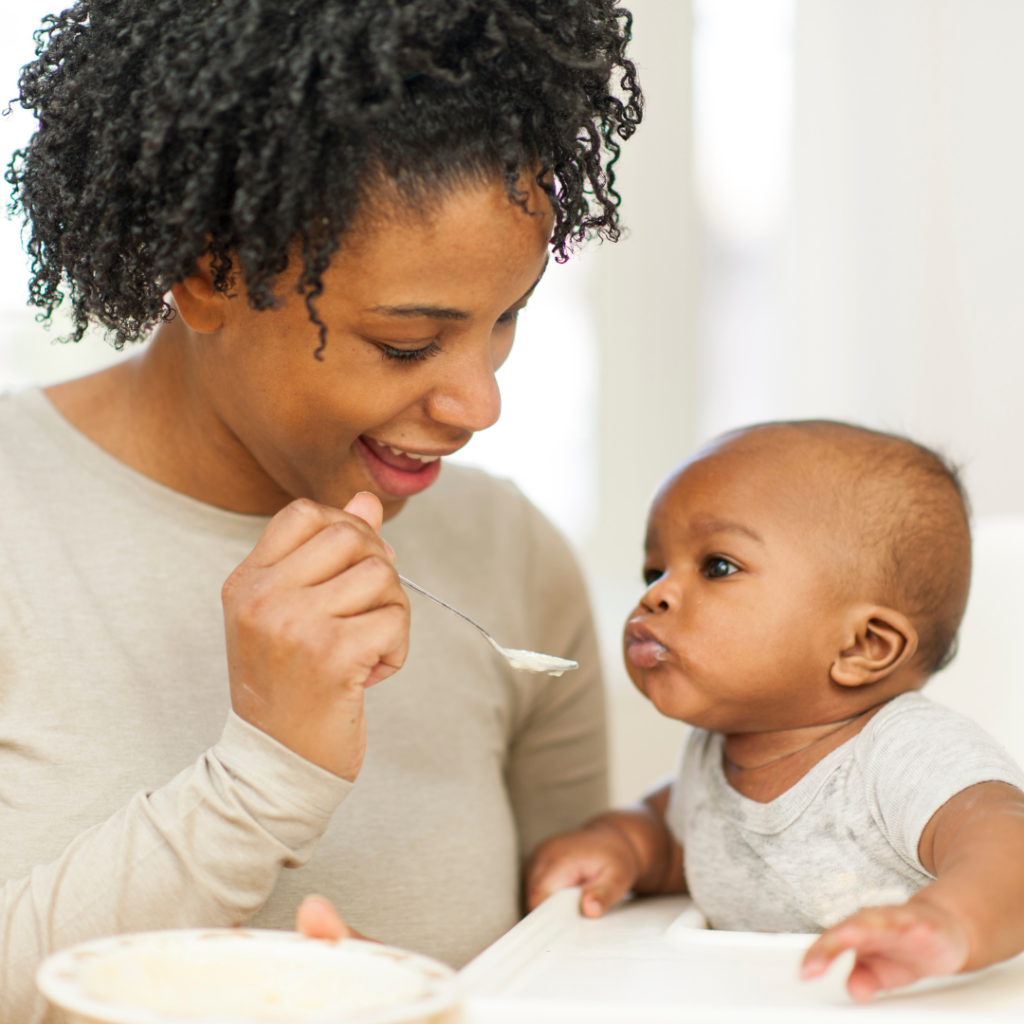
614	853
972	916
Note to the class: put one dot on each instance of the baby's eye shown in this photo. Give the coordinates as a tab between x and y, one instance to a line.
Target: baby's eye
715	568
650	575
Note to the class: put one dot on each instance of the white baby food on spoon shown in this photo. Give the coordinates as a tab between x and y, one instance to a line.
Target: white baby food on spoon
531	661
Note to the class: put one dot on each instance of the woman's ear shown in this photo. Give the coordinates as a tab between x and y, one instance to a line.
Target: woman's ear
883	641
199	304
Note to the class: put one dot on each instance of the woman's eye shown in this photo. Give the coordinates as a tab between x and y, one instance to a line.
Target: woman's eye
650	575
404	355
510	317
716	568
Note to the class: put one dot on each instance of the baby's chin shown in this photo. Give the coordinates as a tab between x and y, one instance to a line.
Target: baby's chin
668	695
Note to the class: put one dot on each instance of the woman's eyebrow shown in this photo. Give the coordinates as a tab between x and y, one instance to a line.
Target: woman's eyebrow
445	312
433	312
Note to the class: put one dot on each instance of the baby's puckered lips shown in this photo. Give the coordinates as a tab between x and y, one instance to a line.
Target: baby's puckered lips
643	648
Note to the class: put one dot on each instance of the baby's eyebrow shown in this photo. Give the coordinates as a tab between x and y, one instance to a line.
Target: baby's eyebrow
727	526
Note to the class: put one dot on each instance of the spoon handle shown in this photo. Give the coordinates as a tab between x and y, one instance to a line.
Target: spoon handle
455	611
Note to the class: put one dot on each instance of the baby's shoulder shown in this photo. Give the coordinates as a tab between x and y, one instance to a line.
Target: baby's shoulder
915	755
911	727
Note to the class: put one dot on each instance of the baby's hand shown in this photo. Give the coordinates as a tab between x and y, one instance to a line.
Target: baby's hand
599	858
894	945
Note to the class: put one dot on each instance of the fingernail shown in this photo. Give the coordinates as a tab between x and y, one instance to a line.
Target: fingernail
390	552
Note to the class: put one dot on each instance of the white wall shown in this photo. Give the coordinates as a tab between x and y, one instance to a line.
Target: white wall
28	354
894	293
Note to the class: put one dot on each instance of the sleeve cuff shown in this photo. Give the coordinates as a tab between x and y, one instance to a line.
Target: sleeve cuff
283	777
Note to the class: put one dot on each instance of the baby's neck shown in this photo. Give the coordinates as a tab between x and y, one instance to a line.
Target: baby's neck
762	766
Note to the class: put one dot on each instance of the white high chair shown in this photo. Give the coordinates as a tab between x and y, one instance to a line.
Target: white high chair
648	962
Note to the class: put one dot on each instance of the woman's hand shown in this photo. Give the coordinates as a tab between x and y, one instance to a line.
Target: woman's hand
314	616
894	946
599	858
316	918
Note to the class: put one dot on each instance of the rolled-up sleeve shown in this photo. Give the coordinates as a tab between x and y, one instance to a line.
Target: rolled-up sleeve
204	850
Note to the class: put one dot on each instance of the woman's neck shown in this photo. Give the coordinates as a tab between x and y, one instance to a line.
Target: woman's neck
762	766
147	413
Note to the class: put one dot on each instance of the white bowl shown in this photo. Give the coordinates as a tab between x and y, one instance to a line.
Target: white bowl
236	976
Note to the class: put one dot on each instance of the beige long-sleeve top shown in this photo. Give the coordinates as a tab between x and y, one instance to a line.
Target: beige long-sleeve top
132	798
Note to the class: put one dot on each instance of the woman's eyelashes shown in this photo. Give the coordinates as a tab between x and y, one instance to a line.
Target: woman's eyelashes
409	355
717	567
413	355
653	575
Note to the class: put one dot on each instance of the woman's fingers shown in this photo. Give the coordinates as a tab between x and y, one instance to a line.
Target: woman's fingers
370	647
300	521
338	545
369	584
314	616
317	919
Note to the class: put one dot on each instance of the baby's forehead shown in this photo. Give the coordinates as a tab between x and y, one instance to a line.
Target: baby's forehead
758	476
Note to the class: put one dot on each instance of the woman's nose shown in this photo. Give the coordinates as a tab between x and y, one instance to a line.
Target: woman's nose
468	397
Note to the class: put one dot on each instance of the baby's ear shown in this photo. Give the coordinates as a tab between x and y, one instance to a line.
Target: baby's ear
883	640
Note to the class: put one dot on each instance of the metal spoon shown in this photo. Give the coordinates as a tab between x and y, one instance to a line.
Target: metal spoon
525	661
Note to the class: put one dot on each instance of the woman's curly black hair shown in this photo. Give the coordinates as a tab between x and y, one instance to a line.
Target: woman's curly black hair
170	129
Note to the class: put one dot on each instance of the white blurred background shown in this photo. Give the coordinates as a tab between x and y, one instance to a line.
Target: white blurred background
826	214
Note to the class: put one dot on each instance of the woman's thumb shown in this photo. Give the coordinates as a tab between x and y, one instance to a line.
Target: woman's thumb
367	507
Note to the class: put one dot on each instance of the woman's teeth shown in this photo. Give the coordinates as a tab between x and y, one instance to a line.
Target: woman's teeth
412	455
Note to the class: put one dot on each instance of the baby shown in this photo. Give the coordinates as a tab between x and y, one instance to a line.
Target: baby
803	582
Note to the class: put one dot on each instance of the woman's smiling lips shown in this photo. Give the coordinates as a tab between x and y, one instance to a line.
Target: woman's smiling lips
396	472
643	648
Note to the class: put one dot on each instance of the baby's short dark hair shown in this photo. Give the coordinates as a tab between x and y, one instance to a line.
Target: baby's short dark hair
905	519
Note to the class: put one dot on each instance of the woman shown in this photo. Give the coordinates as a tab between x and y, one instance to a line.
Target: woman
348	202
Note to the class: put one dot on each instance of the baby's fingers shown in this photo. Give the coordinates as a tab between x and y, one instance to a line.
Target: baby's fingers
826	948
547	876
603	892
894	945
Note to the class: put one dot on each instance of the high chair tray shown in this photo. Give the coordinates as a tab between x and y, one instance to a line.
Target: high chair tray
633	967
